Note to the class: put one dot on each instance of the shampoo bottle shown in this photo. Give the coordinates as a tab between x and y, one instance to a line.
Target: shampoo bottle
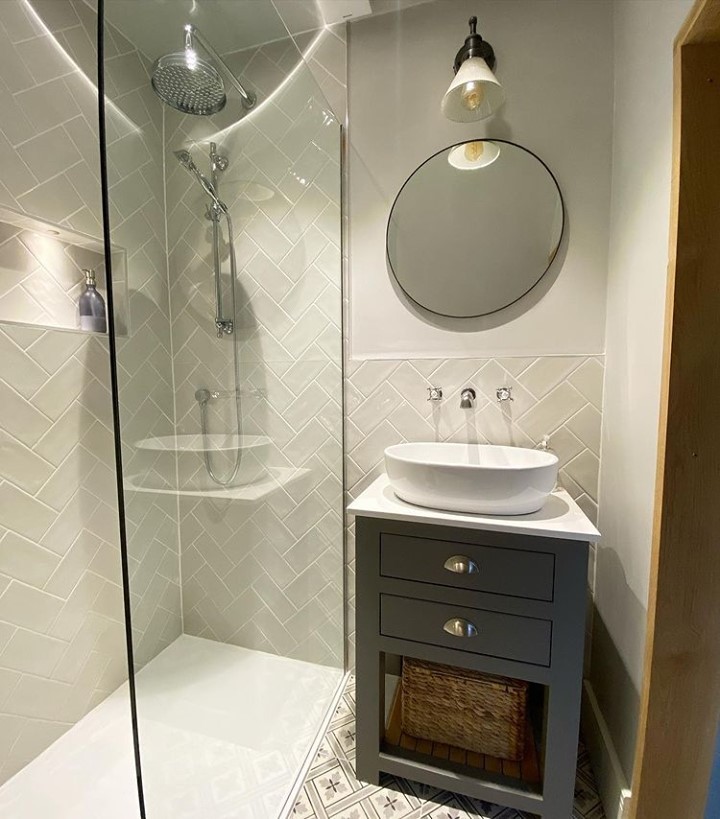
93	317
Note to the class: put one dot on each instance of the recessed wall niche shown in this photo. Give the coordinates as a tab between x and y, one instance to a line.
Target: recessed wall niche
41	275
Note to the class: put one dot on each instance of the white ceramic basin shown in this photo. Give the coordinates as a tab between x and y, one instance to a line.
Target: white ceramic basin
479	478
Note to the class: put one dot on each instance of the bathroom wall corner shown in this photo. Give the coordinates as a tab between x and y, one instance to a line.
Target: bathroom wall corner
610	779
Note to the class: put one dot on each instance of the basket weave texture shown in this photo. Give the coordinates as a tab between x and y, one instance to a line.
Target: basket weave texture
467	709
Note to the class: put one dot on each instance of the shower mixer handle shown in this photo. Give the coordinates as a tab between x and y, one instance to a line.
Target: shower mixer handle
224	327
203	396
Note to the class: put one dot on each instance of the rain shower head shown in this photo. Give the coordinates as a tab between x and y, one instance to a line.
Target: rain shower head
192	85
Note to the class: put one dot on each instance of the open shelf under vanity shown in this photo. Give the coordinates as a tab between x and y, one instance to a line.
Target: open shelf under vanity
524	775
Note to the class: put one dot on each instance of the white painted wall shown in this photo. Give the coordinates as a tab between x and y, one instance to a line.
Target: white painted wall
555	61
643	34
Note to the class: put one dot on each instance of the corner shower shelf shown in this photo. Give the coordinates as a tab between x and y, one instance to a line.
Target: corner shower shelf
181	462
202	443
277	478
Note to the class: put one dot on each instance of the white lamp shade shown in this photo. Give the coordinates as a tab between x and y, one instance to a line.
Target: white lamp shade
472	155
474	93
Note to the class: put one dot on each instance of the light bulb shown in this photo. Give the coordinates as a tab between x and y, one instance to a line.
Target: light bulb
472	95
474	150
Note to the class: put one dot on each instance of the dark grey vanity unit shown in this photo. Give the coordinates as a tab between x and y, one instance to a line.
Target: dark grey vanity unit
505	596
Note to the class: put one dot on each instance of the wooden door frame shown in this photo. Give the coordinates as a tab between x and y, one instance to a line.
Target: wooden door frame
680	701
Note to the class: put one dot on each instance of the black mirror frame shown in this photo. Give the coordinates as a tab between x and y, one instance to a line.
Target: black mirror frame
532	286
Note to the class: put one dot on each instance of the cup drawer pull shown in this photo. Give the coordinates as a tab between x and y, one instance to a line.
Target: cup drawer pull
460	564
459	627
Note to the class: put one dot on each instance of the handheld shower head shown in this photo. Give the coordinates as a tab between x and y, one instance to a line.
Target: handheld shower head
186	160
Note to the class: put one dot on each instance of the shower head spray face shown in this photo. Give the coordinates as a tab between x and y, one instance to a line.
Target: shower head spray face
184	81
188	83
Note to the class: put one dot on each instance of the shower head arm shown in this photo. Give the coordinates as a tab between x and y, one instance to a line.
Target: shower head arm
191	32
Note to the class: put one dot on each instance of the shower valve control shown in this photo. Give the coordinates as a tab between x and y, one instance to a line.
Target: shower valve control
504	394
434	393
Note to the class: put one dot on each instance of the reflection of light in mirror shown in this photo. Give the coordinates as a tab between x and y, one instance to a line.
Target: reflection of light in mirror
472	155
69	60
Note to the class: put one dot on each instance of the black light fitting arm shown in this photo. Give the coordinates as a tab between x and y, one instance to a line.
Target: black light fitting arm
474	46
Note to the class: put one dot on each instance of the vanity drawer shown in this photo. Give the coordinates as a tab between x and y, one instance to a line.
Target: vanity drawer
513	572
494	634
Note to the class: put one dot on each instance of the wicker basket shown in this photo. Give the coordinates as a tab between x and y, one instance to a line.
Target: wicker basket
467	709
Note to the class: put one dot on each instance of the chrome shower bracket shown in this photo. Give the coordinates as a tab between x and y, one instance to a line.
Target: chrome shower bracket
191	33
219	162
224	327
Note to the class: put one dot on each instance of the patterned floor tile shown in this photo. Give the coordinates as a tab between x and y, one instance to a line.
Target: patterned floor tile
331	790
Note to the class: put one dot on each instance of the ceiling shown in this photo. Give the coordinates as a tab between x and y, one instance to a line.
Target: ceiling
155	26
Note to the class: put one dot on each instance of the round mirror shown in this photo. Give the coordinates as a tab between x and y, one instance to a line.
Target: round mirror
474	228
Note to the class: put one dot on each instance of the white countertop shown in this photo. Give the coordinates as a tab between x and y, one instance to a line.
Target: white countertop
560	517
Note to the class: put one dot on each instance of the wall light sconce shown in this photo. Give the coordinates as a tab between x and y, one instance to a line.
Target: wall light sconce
475	92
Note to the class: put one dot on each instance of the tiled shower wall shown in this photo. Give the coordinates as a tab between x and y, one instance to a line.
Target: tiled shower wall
61	619
263	569
61	632
137	221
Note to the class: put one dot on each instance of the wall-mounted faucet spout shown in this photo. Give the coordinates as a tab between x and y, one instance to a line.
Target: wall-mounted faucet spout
467	398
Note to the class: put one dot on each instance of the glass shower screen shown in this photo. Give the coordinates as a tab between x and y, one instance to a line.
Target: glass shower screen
229	367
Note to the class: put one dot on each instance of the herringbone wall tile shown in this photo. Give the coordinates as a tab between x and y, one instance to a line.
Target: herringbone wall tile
61	615
386	403
137	221
49	150
265	572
